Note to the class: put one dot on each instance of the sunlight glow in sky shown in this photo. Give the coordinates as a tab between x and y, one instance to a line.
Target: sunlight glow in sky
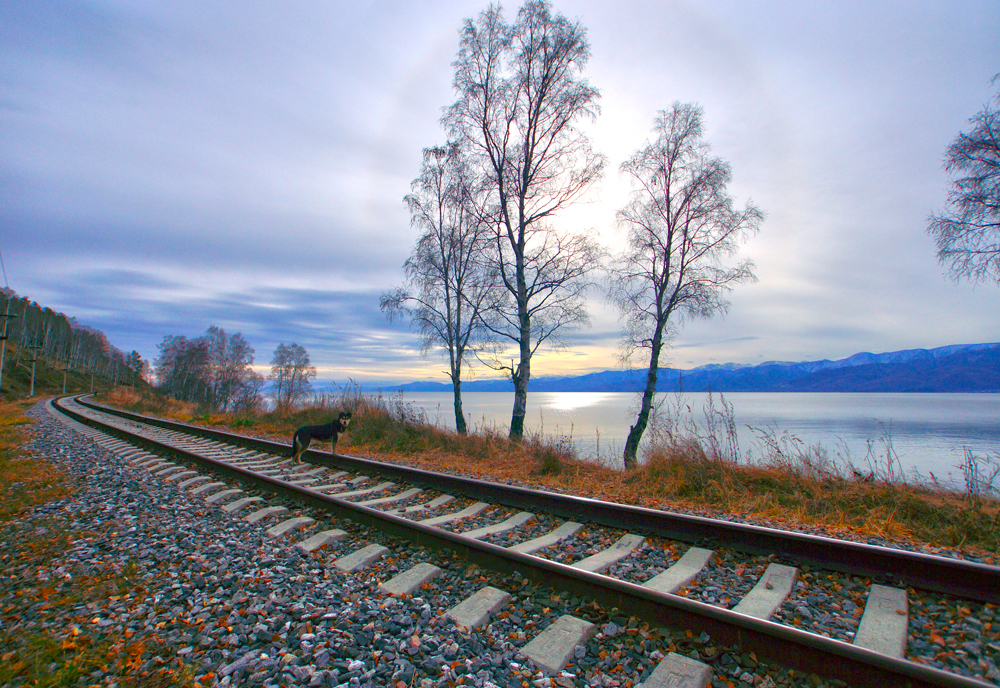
165	167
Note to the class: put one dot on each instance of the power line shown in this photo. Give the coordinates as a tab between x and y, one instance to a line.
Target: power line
6	283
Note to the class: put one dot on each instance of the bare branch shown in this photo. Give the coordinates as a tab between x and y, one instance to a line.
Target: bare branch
681	225
520	97
967	233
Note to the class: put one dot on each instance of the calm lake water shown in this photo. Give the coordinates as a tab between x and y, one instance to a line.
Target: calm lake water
928	432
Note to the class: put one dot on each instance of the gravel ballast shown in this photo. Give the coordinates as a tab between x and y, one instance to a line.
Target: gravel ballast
238	607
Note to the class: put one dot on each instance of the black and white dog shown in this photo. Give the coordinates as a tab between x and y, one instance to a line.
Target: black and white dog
307	433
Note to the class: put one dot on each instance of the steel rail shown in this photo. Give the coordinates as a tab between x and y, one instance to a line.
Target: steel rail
791	647
965	579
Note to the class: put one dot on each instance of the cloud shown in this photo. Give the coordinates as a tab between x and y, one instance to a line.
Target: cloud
163	169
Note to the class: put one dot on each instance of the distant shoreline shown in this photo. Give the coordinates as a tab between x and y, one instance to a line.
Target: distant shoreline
949	369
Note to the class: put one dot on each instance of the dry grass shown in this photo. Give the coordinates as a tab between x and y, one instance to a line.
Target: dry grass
62	650
24	481
786	489
138	401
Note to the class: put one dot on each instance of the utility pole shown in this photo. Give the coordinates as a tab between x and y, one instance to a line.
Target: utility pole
34	360
3	338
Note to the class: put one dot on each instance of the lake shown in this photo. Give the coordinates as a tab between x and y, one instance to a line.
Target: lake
928	432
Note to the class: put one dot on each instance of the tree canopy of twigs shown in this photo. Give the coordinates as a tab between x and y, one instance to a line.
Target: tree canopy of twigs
213	370
291	373
520	99
681	225
449	281
967	233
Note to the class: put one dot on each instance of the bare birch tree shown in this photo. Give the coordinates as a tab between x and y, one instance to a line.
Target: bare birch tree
230	360
968	232
291	373
449	284
681	224
213	370
521	98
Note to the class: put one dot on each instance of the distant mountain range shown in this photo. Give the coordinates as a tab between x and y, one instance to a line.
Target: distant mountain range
957	368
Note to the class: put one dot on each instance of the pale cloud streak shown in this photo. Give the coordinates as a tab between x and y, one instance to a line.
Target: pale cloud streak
166	167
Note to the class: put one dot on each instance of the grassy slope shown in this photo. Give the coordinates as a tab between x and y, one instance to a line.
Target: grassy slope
48	378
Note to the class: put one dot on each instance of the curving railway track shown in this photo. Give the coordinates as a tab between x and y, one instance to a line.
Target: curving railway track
670	569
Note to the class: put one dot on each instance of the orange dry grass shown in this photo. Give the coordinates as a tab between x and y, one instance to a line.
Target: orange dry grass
687	480
785	492
59	655
130	399
24	481
63	654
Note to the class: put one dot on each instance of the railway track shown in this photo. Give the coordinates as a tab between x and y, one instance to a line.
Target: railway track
651	564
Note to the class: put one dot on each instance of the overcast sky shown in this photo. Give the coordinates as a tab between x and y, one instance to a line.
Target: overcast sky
167	166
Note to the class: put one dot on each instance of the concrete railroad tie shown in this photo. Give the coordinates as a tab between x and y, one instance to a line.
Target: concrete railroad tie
552	649
566	530
192	481
381	487
515	521
433	504
409	581
885	621
613	554
360	559
205	488
225	494
290	525
476	610
467	512
318	540
266	512
406	494
183	475
682	572
770	591
233	507
678	671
